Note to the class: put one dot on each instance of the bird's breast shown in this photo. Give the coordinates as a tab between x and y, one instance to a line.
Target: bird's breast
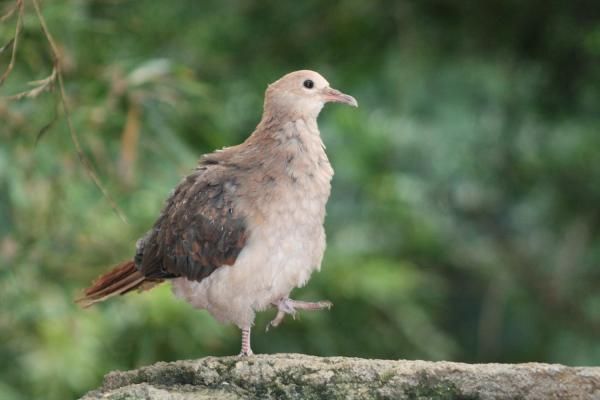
287	238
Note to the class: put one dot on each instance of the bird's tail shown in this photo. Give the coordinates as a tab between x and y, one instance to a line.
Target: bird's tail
121	279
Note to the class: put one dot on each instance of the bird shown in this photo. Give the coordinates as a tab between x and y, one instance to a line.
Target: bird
245	227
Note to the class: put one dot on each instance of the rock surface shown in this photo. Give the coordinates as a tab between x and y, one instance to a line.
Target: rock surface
295	376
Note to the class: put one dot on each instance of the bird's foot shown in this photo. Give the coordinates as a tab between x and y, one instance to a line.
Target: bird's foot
246	350
289	306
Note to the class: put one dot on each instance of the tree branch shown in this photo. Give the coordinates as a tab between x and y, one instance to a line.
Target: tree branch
74	137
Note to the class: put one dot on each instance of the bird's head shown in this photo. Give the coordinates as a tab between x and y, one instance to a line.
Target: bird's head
302	94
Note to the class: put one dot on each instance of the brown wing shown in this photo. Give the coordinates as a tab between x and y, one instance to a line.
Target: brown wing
197	231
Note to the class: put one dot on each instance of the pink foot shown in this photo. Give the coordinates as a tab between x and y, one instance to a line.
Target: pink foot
289	306
246	350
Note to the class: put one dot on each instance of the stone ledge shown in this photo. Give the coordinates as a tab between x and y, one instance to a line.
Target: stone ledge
296	376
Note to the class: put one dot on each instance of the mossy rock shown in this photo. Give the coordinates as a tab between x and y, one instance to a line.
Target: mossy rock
295	376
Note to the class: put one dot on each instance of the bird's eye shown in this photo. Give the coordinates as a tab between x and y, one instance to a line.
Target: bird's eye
308	84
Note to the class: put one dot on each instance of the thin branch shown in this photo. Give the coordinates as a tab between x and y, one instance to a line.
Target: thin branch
10	12
7	45
74	137
49	125
43	85
20	6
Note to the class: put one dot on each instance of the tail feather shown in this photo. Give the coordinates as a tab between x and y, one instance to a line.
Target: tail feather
121	279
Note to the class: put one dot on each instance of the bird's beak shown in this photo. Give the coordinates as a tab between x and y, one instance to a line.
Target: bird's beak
333	95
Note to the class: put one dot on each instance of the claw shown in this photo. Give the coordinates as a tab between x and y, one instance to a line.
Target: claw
276	321
325	304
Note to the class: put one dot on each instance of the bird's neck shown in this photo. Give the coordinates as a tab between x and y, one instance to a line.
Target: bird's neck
288	139
281	127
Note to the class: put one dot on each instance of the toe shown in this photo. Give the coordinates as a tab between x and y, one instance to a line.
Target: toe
326	304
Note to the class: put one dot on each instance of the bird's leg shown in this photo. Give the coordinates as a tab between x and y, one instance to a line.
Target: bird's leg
246	350
289	306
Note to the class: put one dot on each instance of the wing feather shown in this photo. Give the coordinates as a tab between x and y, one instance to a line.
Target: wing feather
199	229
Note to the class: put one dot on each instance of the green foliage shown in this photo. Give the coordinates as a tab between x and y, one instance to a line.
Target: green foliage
464	216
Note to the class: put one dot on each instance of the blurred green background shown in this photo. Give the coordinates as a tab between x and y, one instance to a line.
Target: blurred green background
464	222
